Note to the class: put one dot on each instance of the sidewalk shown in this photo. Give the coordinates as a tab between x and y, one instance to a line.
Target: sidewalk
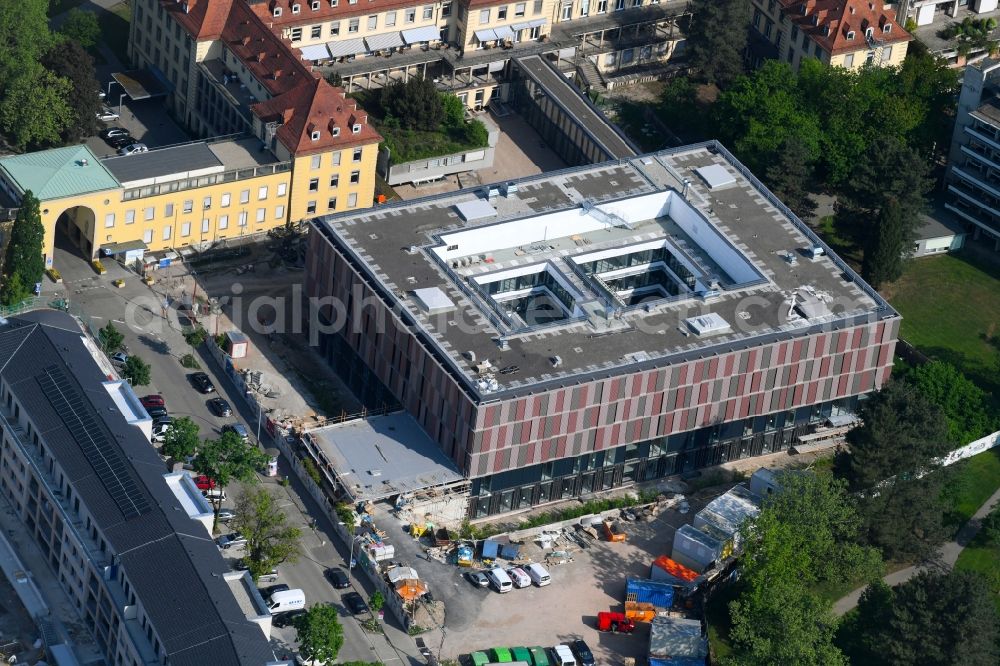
946	557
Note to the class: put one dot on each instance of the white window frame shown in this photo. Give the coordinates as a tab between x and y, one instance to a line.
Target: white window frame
223	222
226	200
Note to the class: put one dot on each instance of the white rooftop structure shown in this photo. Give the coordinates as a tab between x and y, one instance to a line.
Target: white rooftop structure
433	300
716	176
477	209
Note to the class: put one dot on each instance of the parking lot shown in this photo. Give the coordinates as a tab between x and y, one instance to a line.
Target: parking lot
480	618
147	121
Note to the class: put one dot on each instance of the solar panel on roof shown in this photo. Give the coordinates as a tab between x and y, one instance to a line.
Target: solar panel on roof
106	459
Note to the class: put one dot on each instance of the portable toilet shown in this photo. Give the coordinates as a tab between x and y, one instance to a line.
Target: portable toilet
479	659
521	654
501	655
538	656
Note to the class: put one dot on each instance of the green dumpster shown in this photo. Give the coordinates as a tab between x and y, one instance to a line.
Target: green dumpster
538	656
479	659
521	654
501	655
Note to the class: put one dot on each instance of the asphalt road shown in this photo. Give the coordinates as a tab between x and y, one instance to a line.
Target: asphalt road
134	309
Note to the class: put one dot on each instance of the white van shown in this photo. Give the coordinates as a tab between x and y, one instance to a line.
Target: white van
538	575
215	494
519	577
563	656
286	600
500	580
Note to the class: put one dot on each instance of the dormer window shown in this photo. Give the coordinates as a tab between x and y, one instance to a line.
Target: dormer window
296	9
277	12
805	10
869	33
315	5
315	135
850	34
334	3
356	129
335	131
887	27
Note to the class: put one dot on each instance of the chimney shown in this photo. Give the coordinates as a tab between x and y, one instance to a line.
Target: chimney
277	73
260	56
245	41
286	116
187	8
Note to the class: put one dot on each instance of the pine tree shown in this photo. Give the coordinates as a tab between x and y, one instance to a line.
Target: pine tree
23	263
889	242
717	39
790	175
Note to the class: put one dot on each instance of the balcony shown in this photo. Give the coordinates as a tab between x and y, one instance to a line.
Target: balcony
979	153
130	621
993	141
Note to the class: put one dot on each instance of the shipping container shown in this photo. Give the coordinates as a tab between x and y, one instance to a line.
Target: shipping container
667	570
695	549
661	595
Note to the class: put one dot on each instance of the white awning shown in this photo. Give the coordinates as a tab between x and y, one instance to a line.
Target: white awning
315	52
504	32
347	47
486	35
537	23
389	40
427	33
518	27
496	66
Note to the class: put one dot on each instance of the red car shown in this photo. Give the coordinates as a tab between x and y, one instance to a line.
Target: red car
152	401
204	483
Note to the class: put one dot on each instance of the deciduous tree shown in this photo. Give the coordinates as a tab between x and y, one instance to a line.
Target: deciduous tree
805	534
111	338
963	403
71	61
320	634
717	39
136	371
82	27
182	439
34	110
790	176
270	540
416	104
228	458
25	36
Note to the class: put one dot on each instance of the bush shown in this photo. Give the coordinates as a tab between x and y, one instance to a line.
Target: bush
415	629
346	515
372	626
220	340
376	601
196	336
189	361
476	133
989	530
312	471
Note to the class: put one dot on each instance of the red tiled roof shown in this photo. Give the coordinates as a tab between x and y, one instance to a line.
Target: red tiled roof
830	22
326	12
316	106
203	19
272	61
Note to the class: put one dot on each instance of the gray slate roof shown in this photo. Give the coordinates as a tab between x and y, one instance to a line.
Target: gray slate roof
173	565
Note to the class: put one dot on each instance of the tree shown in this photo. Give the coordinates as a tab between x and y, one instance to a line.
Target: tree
71	61
376	601
34	110
963	403
270	540
320	634
790	176
81	27
805	535
226	459
415	104
182	439
888	243
933	619
136	371
24	33
111	338
23	262
453	110
890	466
928	82
716	39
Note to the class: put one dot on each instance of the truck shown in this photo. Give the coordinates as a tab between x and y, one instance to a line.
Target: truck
614	622
442	537
613	530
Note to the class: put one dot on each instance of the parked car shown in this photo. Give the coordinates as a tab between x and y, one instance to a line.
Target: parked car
101	94
121	141
478	578
238	428
225	515
133	149
582	652
119	358
337	578
268	591
114	133
106	115
164	419
202	382
227	541
156	413
355	603
160	432
153	400
241	565
203	482
519	577
220	407
287	619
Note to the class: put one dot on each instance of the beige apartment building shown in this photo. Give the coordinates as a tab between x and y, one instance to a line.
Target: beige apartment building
849	34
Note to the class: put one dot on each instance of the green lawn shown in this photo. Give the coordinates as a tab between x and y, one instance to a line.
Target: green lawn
971	484
951	309
983	559
408	145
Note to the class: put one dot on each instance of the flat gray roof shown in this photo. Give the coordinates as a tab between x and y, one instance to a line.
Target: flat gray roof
570	98
163	162
750	256
382	456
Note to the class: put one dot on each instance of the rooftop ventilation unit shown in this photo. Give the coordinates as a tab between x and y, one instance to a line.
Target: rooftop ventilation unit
433	300
715	176
707	324
556	361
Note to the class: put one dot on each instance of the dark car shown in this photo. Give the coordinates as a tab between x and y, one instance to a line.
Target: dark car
582	653
355	603
156	413
202	382
287	619
238	428
114	132
120	141
220	407
268	591
338	578
163	419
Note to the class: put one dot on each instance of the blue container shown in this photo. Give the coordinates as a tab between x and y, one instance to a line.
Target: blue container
661	595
